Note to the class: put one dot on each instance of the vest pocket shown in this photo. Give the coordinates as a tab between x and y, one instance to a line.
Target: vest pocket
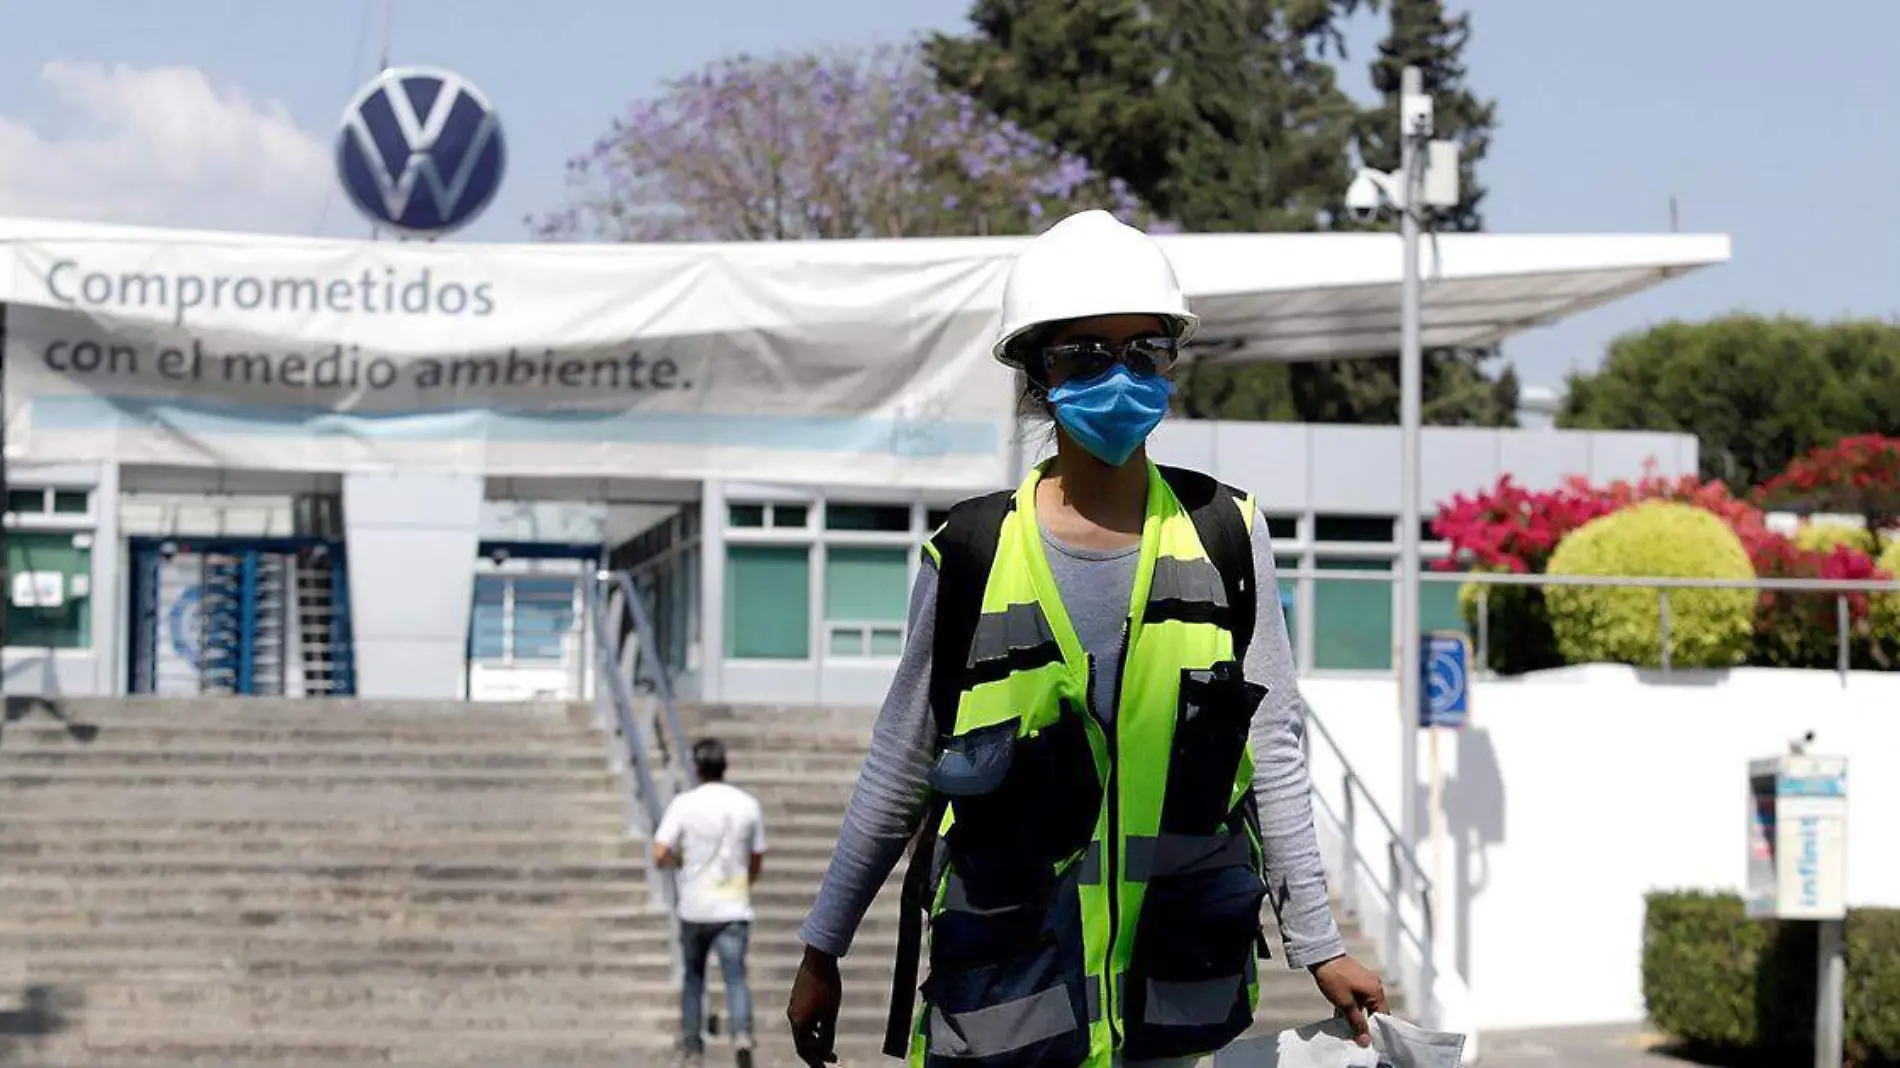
1187	990
1006	986
1021	804
1212	721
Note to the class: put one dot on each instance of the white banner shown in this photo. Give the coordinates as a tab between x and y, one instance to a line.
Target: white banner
765	362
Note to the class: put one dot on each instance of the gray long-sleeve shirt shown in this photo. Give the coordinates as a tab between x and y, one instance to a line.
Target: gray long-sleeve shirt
892	795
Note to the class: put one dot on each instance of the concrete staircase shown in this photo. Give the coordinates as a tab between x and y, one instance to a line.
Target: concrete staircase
240	883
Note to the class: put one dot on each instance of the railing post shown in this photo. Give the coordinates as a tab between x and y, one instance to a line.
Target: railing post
1392	953
1428	970
1484	626
1349	886
1841	652
1662	614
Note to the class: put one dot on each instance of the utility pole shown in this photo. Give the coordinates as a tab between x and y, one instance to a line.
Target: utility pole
1414	129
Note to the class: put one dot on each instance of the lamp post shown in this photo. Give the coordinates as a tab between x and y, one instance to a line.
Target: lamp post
1411	401
1427	178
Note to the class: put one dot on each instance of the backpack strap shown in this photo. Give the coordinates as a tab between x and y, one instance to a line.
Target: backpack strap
963	550
1226	532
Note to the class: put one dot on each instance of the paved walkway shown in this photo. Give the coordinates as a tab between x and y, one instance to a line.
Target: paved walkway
1617	1046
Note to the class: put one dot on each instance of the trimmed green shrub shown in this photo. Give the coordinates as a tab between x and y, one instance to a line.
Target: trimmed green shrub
1826	537
1884	612
1716	980
1707	628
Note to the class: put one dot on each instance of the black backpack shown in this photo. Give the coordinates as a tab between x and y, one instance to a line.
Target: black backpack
966	548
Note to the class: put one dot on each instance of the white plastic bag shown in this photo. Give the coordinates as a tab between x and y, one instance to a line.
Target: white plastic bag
1329	1044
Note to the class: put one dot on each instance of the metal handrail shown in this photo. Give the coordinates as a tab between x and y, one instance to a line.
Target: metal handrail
1405	876
673	741
1353	779
1662	584
650	775
1508	578
621	697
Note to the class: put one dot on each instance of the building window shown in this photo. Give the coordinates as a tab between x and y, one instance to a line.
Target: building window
49	587
934	518
1376	530
1352	618
1283	528
1289	600
75	502
776	516
882	518
866	599
521	619
768	602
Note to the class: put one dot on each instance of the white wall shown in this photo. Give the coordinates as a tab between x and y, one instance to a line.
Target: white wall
1574	792
411	538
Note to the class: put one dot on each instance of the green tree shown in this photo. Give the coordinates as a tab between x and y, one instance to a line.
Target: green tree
1755	391
1225	115
1222	115
1459	388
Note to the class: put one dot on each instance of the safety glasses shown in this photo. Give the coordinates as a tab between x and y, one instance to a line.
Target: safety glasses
1086	359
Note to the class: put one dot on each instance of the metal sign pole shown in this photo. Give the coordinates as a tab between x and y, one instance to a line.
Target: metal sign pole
1830	1000
1411	390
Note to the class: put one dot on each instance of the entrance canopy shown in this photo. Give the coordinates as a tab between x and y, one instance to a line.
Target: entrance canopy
844	362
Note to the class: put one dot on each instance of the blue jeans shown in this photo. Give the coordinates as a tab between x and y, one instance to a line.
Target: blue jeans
729	941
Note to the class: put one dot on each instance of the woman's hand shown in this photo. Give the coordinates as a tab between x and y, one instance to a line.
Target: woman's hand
816	995
1353	990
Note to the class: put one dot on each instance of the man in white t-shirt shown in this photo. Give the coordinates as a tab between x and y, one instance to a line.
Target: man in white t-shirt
714	835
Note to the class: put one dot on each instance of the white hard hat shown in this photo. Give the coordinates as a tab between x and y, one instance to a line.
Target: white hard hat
1090	264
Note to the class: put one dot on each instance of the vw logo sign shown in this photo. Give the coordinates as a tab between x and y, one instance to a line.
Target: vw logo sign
420	151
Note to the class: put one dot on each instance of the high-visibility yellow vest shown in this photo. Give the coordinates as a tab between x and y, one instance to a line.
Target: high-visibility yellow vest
1097	888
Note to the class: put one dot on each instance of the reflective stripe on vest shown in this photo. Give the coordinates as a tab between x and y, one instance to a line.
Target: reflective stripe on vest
1042	949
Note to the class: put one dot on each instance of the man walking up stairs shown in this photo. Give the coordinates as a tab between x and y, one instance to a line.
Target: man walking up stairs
713	837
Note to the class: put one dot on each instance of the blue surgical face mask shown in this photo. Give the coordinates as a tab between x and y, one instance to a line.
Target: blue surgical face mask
1112	413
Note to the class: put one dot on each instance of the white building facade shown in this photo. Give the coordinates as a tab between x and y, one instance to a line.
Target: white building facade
260	465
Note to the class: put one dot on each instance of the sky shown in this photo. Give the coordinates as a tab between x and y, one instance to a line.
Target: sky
1777	128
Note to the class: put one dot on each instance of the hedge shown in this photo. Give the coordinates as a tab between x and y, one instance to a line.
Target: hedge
1707	628
1825	537
1717	981
1884	612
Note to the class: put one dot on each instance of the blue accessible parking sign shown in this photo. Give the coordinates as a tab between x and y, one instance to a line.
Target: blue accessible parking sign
1445	697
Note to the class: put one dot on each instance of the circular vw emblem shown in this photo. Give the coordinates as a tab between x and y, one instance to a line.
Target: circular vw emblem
420	151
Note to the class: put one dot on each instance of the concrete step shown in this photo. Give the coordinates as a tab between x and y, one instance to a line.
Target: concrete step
194	755
187	776
796	860
369	802
775	926
19	826
41	850
799	856
47	891
309	734
252	711
191	866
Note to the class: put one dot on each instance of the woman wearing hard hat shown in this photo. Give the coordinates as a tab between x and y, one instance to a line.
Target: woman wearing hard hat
1094	733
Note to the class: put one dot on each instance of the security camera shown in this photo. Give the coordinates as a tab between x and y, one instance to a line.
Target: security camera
1364	198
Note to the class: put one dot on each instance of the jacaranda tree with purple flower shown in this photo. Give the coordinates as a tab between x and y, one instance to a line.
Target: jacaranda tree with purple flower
822	145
